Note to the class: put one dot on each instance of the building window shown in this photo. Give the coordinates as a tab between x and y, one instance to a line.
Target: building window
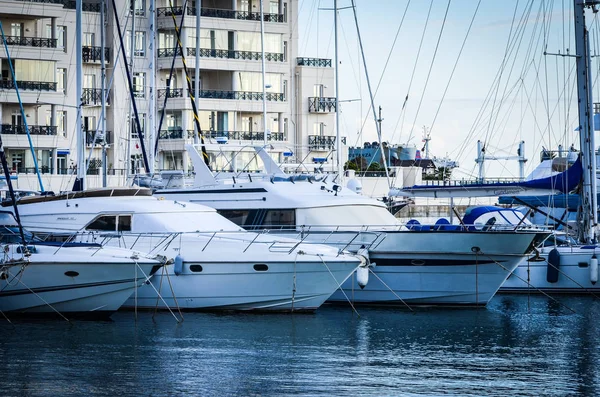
61	35
131	122
319	129
140	44
274	6
89	81
285	50
48	117
89	39
285	89
139	84
318	90
48	31
61	122
61	79
140	7
245	6
16	29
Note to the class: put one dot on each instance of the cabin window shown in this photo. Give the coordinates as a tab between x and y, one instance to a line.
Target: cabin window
238	217
110	222
278	218
124	223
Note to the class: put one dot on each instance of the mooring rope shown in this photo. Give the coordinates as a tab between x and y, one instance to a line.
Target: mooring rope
339	286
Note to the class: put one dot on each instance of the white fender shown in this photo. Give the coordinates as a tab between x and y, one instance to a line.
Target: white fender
594	269
178	265
362	272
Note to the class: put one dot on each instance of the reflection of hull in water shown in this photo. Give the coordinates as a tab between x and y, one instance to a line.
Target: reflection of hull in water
572	276
239	286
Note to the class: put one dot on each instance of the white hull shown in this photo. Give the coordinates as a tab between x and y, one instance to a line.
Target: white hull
238	286
573	273
71	284
433	268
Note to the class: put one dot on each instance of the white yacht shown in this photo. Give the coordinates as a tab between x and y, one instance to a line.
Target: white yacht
433	267
73	279
217	264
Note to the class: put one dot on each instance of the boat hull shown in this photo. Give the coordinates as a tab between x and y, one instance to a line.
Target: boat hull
75	289
279	287
573	274
434	267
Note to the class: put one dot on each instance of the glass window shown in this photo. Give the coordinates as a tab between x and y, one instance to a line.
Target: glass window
140	44
16	29
250	41
274	6
139	84
252	81
48	31
61	122
89	81
238	217
61	35
88	39
48	117
34	70
61	79
140	7
105	222
277	218
124	223
318	90
319	129
167	40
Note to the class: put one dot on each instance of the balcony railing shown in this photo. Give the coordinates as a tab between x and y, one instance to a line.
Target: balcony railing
322	142
318	62
220	13
168	52
235	54
89	138
243	135
33	129
28	85
171	133
214	94
321	105
31	41
70	4
94	54
170	93
93	96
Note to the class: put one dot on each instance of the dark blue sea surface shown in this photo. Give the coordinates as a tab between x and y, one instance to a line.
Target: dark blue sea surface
517	346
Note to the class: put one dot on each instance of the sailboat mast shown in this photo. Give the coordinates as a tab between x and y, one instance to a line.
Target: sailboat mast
128	167
81	171
197	65
103	88
152	91
338	139
589	207
262	52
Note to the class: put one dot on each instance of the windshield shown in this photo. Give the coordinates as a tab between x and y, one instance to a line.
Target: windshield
347	215
182	222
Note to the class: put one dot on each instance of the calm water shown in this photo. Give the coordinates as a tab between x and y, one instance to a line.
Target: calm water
514	347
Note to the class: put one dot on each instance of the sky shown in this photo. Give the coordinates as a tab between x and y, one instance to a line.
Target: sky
500	88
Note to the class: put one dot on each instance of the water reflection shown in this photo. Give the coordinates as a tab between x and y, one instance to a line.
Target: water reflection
517	346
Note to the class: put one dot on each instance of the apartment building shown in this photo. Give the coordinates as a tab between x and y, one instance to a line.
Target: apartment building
40	34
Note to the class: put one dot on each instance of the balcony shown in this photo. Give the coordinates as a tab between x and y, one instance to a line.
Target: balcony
321	105
89	138
33	129
69	4
28	85
219	13
31	41
243	135
169	52
93	96
316	62
94	54
214	94
235	54
171	133
321	142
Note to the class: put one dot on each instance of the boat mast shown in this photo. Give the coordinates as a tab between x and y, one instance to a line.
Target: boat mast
128	167
338	139
103	88
589	207
362	53
151	91
197	65
262	52
81	171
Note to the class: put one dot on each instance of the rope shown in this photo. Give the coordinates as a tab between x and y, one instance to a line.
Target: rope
43	300
391	290
339	286
159	296
528	283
